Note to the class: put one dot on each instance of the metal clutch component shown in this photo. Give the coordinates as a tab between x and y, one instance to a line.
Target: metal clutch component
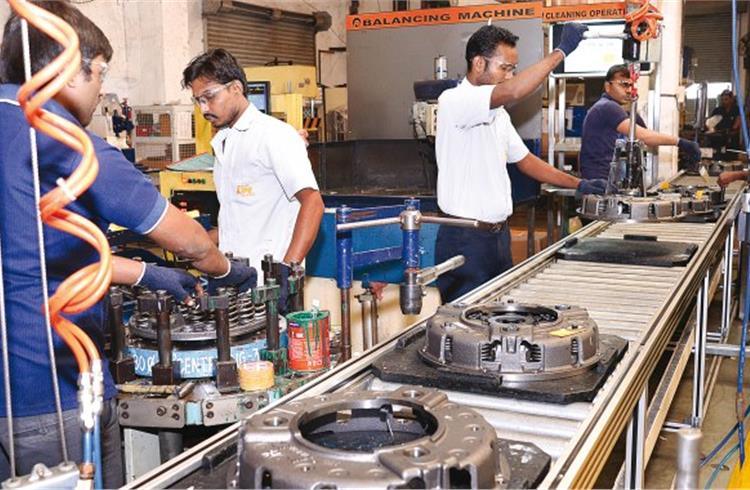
620	207
520	342
406	438
197	323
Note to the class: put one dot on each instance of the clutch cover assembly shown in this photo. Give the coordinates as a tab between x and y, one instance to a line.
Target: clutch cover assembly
521	342
406	438
623	207
552	354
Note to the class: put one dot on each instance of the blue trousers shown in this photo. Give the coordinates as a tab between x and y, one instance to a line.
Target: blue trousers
38	441
487	255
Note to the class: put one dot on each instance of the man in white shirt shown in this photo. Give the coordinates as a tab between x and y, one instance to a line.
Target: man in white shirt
269	199
474	143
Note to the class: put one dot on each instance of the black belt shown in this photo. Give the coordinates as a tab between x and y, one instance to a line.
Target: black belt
498	227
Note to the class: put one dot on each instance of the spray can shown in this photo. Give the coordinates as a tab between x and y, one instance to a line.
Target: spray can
441	67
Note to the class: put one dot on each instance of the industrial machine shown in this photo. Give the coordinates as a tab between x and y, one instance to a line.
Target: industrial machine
183	366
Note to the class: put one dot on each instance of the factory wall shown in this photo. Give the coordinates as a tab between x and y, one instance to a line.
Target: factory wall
154	40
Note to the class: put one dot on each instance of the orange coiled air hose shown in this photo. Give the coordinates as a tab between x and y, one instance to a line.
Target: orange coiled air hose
644	20
86	286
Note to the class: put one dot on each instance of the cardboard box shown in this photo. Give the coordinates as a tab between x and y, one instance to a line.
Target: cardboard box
518	244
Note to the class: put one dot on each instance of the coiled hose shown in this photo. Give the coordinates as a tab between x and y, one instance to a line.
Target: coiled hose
87	286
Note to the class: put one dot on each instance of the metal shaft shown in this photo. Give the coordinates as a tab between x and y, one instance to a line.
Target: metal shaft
163	330
117	329
688	458
346	325
368	302
221	314
272	324
267	266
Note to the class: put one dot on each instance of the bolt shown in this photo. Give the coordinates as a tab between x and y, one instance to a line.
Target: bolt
209	415
125	415
175	407
248	405
209	405
124	406
176	416
161	411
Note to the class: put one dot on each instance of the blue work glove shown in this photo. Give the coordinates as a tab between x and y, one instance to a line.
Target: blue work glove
284	271
572	35
176	282
691	149
592	186
241	276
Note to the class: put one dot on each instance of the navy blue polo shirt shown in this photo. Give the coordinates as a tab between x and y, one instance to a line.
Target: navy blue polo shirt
599	135
120	194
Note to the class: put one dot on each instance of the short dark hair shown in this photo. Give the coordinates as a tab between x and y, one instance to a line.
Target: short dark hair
215	64
727	92
485	41
614	70
44	49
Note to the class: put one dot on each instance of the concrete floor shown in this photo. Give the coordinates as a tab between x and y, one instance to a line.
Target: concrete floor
719	419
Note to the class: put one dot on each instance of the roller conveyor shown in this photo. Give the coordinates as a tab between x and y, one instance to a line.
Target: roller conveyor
644	305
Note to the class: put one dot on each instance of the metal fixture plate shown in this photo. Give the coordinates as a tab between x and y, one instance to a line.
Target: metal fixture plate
630	251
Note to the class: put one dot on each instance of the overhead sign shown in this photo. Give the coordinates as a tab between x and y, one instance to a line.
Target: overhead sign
458	15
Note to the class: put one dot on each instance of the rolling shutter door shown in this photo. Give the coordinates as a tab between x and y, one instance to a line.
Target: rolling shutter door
711	38
258	35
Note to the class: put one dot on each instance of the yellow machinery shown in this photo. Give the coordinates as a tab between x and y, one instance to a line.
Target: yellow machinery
292	86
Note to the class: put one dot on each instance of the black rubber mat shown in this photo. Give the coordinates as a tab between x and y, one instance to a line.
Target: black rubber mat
633	250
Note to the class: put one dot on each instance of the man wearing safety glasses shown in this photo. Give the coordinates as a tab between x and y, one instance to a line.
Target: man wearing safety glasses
270	202
608	120
474	143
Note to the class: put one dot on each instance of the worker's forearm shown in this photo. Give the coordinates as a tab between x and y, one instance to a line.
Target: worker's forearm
542	172
125	271
305	231
526	82
185	237
650	138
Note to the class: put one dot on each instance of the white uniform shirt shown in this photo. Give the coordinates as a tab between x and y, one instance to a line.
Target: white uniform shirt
472	146
261	163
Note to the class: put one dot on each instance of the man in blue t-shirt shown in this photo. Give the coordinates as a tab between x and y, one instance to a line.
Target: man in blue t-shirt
608	120
120	194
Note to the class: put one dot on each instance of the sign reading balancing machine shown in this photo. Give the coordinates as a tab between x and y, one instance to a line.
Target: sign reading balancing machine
457	15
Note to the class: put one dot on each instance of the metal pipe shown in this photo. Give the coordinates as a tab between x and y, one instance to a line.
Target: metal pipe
688	458
428	275
724	350
221	315
458	222
368	224
117	329
346	325
163	330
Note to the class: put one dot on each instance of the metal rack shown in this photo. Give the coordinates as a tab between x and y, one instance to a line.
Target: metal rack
164	134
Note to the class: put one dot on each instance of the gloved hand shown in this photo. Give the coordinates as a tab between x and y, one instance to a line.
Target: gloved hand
592	186
691	149
572	34
239	275
284	271
176	282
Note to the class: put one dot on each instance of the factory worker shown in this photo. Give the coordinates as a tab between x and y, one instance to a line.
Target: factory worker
269	199
119	194
474	143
